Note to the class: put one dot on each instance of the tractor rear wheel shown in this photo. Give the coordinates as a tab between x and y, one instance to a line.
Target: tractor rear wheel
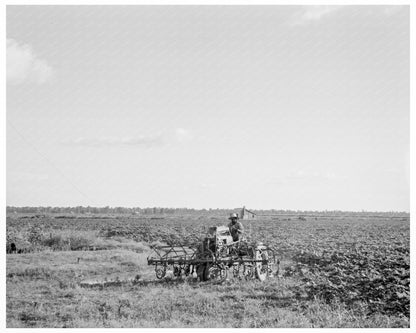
202	272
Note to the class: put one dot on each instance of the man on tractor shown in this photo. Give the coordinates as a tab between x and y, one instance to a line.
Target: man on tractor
236	228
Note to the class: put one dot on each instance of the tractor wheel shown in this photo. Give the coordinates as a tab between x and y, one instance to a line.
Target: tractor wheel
248	271
262	267
201	272
160	271
216	273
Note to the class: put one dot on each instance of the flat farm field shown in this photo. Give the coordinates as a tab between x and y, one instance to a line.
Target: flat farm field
346	271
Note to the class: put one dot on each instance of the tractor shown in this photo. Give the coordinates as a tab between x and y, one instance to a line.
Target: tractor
216	258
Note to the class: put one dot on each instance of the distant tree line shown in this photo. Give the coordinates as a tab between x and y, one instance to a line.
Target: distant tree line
99	210
181	211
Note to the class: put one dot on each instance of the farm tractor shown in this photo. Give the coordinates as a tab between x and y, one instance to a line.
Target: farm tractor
216	258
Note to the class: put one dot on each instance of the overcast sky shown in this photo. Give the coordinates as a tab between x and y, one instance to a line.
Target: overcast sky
285	107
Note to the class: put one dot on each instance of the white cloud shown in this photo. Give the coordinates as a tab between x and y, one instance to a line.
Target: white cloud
183	135
309	14
24	66
172	137
143	141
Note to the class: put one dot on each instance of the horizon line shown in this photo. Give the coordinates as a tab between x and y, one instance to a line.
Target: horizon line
218	208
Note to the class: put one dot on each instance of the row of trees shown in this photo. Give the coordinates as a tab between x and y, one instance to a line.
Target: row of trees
179	211
98	210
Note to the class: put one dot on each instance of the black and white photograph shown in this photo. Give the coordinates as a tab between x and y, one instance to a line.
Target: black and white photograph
207	165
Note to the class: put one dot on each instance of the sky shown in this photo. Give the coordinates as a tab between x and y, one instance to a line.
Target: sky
283	107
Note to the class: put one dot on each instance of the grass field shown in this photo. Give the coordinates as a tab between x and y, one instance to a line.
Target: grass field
343	272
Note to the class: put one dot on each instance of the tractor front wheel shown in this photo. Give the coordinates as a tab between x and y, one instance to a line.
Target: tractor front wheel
262	267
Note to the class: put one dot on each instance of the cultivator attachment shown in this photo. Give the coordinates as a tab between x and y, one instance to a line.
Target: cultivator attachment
178	258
